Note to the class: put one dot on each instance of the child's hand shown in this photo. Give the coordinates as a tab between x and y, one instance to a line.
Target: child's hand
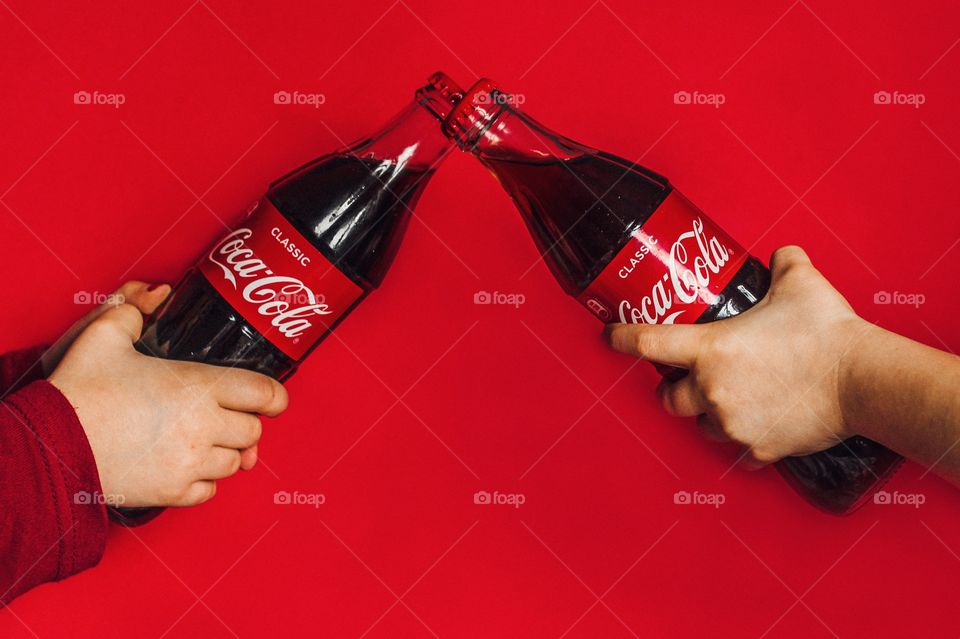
139	294
161	431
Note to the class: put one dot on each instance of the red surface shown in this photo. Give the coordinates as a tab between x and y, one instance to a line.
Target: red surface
423	397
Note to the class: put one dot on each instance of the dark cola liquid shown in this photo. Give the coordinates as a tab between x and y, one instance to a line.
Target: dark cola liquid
579	236
353	211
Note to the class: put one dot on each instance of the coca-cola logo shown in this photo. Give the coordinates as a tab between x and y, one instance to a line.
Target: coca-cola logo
287	300
693	259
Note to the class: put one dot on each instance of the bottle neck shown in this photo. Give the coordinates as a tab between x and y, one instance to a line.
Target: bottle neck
412	139
579	204
487	123
354	205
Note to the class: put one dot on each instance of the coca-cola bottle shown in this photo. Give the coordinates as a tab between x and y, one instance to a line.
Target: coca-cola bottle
631	248
319	241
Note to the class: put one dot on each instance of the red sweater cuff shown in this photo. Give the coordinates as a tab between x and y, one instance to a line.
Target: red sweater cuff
69	516
19	368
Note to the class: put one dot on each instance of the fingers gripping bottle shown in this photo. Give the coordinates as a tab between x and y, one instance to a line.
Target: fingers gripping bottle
631	248
317	243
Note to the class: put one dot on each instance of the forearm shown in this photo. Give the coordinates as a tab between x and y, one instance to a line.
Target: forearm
904	395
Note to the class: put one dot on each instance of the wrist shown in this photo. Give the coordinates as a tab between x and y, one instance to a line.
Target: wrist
853	377
80	406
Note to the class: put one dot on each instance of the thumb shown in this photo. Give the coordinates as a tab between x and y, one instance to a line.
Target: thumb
144	297
139	294
676	345
785	259
125	321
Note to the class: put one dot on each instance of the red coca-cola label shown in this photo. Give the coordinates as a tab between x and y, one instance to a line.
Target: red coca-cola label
278	281
672	268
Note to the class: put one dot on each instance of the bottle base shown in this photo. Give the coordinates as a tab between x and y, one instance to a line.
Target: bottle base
841	479
133	517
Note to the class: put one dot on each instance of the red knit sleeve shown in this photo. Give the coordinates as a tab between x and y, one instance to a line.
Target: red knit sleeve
19	368
52	519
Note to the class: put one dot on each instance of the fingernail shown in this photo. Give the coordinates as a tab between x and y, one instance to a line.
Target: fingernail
153	287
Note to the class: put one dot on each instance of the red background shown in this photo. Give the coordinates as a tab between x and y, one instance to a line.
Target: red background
491	397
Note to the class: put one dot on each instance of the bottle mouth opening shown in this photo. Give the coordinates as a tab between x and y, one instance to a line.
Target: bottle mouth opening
447	86
478	109
440	94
